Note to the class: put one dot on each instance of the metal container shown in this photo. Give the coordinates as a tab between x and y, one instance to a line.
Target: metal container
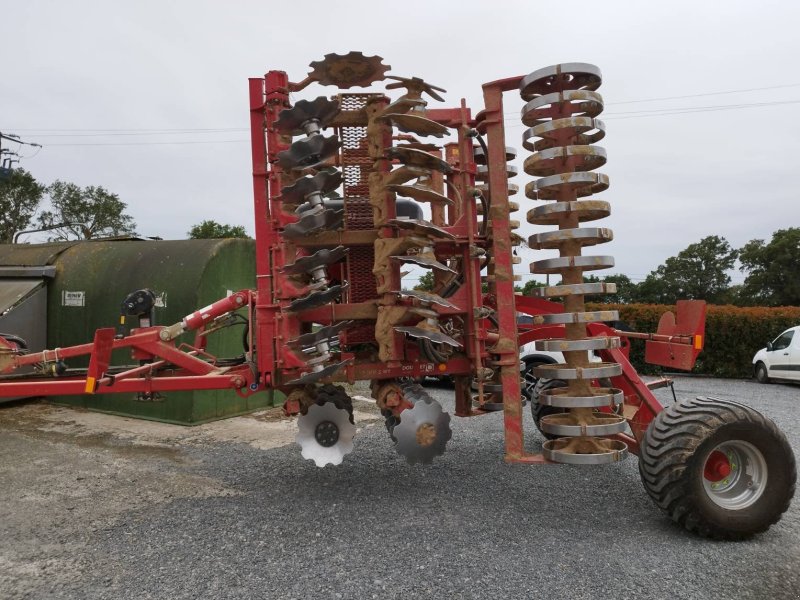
90	279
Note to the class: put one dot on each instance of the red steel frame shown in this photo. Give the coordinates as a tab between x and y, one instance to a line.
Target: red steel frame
168	367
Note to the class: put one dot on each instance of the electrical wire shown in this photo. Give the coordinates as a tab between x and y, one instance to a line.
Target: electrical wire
660	112
153	143
756	89
143	133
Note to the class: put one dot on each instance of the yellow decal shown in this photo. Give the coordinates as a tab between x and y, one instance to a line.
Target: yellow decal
90	385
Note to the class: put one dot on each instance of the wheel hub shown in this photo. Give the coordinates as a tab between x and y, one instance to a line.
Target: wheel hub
717	467
326	434
735	475
426	434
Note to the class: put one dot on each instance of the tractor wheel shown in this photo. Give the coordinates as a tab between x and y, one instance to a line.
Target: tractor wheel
718	468
529	379
762	376
540	410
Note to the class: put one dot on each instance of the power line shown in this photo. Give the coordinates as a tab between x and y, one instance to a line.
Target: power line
757	89
148	130
151	132
702	108
612	116
42	132
152	143
682	111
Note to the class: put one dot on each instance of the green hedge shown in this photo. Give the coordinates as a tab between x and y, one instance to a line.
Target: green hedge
733	334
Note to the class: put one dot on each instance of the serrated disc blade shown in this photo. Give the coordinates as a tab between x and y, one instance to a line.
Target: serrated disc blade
420	193
423	432
426	334
424	262
320	424
323	182
428	297
415	124
321	334
320	258
315	376
318	298
418	158
308	152
324	220
421	227
321	109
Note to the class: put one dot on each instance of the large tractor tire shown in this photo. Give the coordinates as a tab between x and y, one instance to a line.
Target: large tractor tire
720	469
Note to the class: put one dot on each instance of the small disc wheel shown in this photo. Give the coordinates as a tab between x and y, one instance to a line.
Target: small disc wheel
718	468
540	410
325	428
762	376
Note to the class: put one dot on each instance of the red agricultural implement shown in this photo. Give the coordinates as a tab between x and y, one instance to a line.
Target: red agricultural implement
354	192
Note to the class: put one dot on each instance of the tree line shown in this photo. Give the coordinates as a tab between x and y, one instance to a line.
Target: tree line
701	271
77	213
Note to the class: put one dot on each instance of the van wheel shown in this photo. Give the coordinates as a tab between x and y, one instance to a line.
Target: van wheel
761	373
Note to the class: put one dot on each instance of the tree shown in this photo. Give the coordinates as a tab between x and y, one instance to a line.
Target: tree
425	283
85	213
698	272
20	195
773	269
530	285
213	230
627	290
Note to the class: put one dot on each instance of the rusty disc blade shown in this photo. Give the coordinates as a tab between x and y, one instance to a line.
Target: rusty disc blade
349	70
415	124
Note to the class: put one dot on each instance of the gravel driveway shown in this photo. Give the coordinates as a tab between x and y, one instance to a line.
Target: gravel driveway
96	506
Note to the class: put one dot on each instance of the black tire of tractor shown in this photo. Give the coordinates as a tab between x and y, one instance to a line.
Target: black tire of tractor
541	410
762	375
673	456
529	379
337	395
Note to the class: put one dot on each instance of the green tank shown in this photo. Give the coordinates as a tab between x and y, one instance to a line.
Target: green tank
86	289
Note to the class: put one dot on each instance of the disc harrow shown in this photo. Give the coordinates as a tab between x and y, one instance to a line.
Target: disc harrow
385	253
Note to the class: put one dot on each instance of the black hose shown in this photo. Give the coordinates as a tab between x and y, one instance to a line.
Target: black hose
485	207
23	345
432	354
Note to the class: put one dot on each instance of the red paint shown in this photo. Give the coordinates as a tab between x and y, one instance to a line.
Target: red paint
718	467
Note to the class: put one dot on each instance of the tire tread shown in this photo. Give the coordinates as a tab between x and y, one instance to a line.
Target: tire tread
669	444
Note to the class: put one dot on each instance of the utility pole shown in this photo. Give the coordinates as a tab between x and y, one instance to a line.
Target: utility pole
5	168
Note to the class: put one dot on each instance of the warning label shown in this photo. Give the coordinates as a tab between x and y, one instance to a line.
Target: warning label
73	298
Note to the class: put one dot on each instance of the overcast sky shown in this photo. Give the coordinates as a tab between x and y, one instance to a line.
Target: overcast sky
72	68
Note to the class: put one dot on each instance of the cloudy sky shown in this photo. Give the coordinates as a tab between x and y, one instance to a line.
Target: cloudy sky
149	98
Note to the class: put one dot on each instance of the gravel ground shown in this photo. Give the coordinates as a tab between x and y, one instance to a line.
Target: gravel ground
212	515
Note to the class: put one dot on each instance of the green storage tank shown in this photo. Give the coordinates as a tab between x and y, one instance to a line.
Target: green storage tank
92	278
